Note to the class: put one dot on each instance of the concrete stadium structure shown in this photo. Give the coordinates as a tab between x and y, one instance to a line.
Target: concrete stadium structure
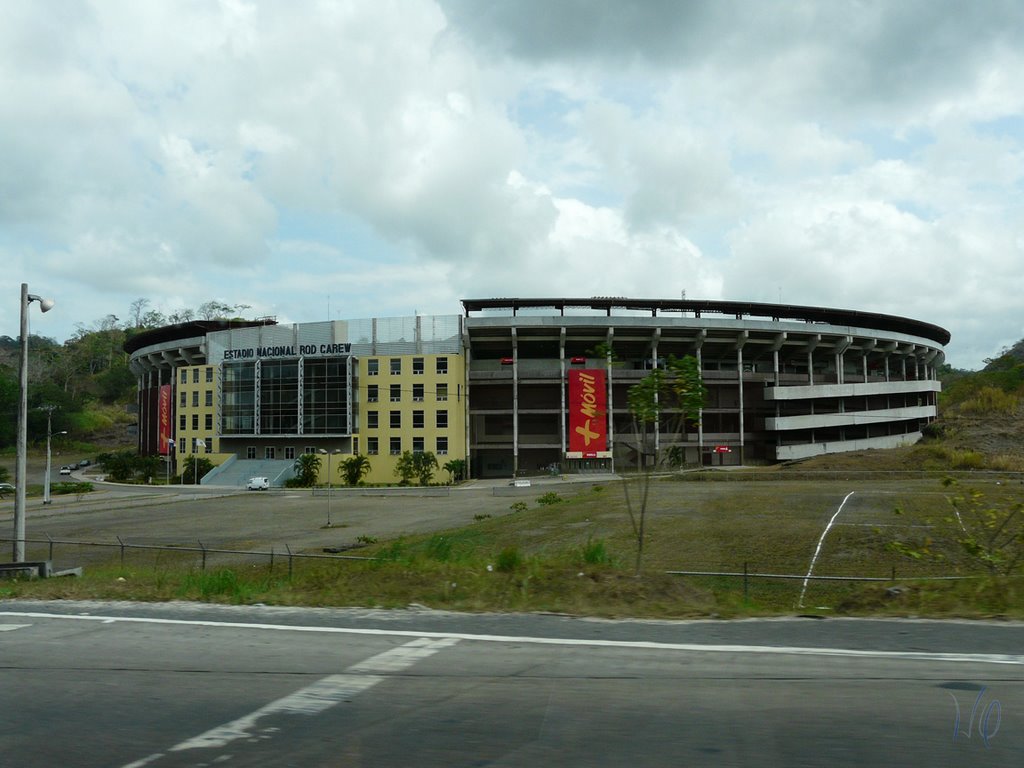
496	384
784	382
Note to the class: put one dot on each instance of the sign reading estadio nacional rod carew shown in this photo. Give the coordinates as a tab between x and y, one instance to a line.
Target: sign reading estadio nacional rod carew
588	412
287	350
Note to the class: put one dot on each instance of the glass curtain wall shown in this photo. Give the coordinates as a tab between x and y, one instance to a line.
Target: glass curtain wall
325	397
323	408
238	390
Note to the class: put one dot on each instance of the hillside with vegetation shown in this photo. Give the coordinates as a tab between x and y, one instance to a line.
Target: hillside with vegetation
980	424
85	382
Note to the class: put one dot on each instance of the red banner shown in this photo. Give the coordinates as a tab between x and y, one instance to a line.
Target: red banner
165	420
588	411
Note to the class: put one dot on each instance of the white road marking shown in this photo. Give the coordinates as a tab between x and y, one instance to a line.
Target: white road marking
817	549
9	627
955	658
314	698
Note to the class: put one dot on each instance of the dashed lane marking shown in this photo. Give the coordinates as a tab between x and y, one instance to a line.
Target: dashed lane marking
315	698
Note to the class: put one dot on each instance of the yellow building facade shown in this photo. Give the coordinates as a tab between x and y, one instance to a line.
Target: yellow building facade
254	398
411	403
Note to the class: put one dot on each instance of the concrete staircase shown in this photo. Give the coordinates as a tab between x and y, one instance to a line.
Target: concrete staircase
237	473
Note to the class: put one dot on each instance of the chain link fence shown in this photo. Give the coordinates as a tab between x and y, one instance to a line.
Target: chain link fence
746	588
749	588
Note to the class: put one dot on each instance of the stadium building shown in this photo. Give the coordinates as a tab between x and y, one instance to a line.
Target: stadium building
522	386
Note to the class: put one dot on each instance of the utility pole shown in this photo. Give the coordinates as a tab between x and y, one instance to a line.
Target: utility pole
49	434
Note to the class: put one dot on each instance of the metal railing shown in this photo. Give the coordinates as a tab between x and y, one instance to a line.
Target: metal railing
205	553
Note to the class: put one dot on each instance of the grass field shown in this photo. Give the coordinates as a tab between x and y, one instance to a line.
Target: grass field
575	556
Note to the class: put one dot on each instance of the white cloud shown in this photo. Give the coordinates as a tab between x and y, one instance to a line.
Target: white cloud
400	155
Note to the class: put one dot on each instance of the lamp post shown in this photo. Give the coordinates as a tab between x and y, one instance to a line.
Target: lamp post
329	454
195	457
22	439
49	435
167	458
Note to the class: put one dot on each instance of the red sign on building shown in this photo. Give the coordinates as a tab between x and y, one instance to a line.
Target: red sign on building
165	419
588	411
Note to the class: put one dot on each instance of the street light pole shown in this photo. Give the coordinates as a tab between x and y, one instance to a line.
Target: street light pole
21	465
167	458
329	454
195	458
49	434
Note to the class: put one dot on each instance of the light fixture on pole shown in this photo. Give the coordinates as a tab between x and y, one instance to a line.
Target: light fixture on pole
195	456
167	458
21	465
329	454
49	434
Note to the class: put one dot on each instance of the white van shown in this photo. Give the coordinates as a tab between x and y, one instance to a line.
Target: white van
258	484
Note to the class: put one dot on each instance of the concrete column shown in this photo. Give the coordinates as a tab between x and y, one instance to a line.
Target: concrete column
739	378
700	414
515	404
466	409
300	399
611	404
564	384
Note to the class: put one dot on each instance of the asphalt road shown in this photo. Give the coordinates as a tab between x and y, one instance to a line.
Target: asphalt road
182	685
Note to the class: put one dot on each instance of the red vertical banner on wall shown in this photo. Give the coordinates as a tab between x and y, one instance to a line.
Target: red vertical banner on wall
164	414
588	411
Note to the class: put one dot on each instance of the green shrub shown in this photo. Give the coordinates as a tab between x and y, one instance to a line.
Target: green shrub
439	548
991	400
66	488
508	560
219	583
967	459
550	498
393	552
519	506
595	552
1006	463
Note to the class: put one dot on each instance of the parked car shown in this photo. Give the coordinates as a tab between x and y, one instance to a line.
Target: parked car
6	488
258	484
65	470
84	463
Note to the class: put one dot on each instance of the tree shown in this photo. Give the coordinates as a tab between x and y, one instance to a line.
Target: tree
137	309
119	466
115	384
307	470
153	319
183	315
195	468
426	464
354	469
976	531
456	469
405	467
214	310
420	464
662	402
148	466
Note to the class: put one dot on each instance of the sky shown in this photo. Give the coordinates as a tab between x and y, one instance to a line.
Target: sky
322	160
